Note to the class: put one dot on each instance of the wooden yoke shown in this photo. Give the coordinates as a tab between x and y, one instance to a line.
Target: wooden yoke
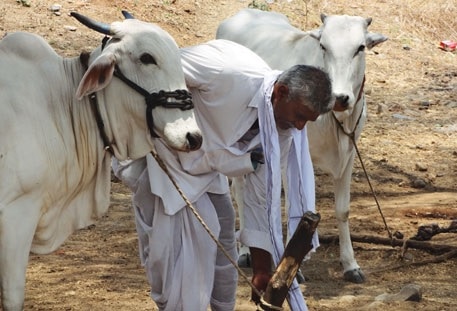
299	245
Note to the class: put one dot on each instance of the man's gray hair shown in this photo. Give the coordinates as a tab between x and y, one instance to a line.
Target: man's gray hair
309	84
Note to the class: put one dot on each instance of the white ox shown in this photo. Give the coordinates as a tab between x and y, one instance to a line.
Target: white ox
54	169
338	47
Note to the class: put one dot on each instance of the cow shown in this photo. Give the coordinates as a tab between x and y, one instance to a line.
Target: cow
62	120
338	46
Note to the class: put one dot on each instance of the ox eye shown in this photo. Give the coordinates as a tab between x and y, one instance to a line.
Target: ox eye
323	47
148	59
360	49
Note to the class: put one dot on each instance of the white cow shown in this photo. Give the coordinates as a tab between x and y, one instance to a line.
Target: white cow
54	166
338	47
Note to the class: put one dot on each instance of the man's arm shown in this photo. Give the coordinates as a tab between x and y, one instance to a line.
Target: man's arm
221	160
129	171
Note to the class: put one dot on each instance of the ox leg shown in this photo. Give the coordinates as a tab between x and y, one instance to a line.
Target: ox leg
244	256
17	227
351	269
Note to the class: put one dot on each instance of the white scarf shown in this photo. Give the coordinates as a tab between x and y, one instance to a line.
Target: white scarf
301	185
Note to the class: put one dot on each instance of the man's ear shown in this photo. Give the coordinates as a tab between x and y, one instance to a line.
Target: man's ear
282	91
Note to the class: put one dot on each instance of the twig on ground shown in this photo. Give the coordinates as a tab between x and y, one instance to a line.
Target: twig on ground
446	251
428	246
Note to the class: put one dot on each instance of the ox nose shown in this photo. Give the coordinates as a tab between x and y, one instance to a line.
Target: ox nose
194	140
341	103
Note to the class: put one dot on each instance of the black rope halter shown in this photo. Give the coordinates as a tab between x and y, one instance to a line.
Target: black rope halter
181	99
168	99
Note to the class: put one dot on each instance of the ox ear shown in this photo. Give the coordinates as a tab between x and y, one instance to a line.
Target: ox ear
98	76
373	39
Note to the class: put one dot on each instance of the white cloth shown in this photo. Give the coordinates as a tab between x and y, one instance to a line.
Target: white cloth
225	80
185	269
231	87
301	191
226	91
178	256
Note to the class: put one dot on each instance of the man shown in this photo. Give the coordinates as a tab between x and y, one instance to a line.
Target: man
238	101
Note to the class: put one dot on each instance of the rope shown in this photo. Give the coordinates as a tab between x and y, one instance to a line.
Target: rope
202	222
263	303
372	190
352	137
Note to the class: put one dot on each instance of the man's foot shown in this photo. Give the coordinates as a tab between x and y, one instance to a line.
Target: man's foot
260	281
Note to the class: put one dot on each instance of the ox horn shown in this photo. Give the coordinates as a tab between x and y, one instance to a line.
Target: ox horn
323	17
94	25
127	15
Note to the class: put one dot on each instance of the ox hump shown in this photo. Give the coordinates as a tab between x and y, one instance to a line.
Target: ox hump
27	46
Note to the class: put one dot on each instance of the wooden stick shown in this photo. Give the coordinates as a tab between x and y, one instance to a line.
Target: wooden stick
431	247
299	245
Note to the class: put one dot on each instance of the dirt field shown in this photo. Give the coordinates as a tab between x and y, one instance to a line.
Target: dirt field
409	148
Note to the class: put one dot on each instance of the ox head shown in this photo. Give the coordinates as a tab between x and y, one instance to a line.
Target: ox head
343	40
137	64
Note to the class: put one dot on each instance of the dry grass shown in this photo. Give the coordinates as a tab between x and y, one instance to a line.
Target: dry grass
421	20
415	28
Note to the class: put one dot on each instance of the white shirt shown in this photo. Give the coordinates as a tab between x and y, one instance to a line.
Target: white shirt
229	83
226	81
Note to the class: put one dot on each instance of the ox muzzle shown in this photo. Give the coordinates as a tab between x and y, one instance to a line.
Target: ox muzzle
342	100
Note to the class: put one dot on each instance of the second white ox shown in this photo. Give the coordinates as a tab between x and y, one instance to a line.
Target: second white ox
338	47
54	169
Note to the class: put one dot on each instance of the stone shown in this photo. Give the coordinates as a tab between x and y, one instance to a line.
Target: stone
419	183
410	292
382	108
70	28
421	167
24	2
55	7
402	117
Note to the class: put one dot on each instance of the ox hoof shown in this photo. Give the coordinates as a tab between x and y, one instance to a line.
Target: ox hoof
244	261
354	276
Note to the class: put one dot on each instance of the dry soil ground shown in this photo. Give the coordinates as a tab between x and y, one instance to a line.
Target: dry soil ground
408	147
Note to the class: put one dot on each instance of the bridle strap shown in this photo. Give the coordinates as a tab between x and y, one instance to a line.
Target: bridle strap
182	98
84	59
361	89
101	126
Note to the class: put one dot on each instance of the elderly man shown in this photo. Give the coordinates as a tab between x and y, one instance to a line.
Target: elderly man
240	104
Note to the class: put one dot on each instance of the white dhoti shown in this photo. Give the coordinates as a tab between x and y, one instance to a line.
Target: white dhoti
183	265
